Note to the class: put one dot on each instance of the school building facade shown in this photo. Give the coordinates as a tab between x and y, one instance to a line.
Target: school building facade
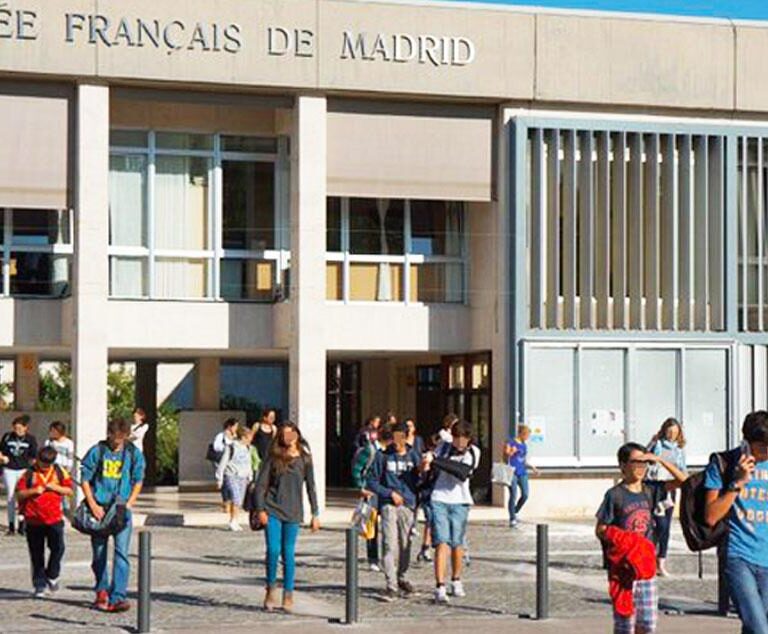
513	214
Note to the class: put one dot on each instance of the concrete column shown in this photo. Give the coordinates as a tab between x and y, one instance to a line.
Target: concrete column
26	384
91	267
307	366
503	379
146	398
207	384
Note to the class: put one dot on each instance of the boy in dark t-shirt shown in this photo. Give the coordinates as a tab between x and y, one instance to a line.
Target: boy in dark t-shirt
630	506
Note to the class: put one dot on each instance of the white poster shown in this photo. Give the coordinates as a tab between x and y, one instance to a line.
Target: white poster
538	425
607	422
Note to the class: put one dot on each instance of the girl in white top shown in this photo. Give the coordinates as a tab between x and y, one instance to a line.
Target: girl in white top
139	428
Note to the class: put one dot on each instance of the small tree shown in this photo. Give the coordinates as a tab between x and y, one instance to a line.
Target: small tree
56	389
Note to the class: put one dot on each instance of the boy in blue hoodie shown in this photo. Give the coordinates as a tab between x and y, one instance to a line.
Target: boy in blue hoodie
394	478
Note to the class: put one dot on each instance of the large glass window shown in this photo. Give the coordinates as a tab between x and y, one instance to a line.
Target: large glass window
395	250
36	249
198	216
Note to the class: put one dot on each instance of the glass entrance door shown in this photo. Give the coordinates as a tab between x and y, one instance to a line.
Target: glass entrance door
342	421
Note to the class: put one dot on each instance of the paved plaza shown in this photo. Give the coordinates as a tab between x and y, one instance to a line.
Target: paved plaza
211	579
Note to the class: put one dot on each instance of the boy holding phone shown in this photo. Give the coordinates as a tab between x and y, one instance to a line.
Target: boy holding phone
742	497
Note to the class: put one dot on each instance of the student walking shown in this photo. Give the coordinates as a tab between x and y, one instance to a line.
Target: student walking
40	492
18	449
667	443
740	495
413	440
394	479
234	471
217	449
516	454
451	499
282	477
139	428
112	472
368	433
629	507
65	453
362	462
264	432
449	420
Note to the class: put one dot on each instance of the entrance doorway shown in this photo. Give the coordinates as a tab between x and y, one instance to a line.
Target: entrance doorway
342	421
466	382
429	398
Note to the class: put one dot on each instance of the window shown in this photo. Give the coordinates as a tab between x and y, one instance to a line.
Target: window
36	249
198	216
395	250
626	230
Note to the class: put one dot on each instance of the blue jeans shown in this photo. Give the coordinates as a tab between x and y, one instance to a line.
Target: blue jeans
121	566
281	541
449	524
515	504
748	585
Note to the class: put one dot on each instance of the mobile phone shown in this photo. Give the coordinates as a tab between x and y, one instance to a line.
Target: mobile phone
745	449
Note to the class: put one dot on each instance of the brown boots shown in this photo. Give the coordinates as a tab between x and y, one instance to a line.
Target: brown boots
270	599
287	602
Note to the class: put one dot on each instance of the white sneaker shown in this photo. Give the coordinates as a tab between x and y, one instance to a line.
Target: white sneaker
234	526
39	593
53	585
457	589
441	596
374	567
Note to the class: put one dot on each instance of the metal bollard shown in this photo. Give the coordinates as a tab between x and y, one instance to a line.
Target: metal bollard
145	581
352	585
723	597
542	571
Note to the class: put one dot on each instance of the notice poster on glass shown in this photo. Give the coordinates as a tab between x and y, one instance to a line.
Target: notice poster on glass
607	422
538	425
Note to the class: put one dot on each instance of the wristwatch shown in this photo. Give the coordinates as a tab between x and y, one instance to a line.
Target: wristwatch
734	487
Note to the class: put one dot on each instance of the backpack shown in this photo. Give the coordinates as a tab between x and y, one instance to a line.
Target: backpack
698	534
356	460
211	455
29	477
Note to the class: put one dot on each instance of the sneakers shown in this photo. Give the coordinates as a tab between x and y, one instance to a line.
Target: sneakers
11	530
22	529
424	555
441	596
374	567
119	606
39	593
514	523
661	568
390	595
102	601
53	585
235	527
406	587
457	589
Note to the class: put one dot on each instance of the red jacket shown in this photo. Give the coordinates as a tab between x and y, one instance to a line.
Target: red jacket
631	557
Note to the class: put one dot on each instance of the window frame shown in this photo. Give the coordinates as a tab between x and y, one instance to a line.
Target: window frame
216	252
8	246
406	260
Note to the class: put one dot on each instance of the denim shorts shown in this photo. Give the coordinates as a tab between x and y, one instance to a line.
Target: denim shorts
449	523
233	489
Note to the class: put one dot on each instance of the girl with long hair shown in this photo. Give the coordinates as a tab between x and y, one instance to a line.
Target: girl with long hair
668	443
283	475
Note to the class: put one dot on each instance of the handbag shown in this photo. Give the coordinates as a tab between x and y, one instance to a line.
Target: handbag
502	474
114	520
364	518
253	520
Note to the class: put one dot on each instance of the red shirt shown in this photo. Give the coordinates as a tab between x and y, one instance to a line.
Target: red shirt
43	509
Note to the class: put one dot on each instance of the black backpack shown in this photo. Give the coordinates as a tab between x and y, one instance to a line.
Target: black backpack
698	534
211	455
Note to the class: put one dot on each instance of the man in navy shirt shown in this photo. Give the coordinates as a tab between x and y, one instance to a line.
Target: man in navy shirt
394	478
516	453
741	495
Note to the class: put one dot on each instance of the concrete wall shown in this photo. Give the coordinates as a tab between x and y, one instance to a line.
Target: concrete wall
519	53
196	430
562	496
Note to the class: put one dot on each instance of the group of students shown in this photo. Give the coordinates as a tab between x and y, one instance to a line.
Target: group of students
278	461
399	473
40	483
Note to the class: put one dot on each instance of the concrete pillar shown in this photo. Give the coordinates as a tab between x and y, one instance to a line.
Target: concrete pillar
207	384
307	365
146	399
503	379
91	267
26	385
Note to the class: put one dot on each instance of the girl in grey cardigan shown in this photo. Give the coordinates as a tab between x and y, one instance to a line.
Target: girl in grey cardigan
279	487
233	473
